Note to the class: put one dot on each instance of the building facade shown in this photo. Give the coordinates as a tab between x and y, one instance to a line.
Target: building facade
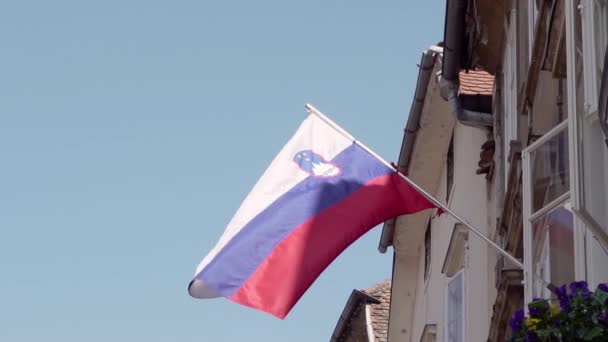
509	127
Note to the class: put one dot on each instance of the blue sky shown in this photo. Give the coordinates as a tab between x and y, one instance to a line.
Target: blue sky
130	132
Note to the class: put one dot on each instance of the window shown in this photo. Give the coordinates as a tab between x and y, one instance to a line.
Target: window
450	170
586	41
454	258
548	224
427	251
550	174
595	39
454	314
429	334
552	250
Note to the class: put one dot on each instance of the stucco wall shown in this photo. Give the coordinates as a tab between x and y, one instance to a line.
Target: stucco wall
474	200
471	201
430	297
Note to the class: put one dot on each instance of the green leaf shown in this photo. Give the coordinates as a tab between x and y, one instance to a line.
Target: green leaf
600	297
539	304
544	332
593	333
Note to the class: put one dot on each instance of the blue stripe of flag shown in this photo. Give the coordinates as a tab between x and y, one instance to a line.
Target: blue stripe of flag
242	255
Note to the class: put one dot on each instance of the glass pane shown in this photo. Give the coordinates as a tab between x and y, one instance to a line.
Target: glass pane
552	250
579	72
601	35
455	309
550	171
594	165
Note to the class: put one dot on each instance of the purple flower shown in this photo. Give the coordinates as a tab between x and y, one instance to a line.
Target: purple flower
517	321
534	310
562	295
581	287
603	287
561	292
564	304
603	317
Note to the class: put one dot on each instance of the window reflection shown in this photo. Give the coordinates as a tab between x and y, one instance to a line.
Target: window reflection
550	172
552	250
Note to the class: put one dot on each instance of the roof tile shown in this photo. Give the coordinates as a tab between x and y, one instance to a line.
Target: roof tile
476	82
380	312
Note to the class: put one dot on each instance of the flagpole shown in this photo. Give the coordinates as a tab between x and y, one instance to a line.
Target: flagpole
311	109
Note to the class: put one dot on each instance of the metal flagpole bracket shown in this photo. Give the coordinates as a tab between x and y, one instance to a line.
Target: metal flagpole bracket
435	201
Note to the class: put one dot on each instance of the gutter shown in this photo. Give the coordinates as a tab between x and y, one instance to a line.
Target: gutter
427	63
454	42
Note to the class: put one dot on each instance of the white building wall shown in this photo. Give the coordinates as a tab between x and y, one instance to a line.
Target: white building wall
471	199
471	202
430	299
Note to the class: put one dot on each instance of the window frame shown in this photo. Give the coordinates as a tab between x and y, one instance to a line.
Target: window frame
583	219
529	216
429	333
450	170
602	110
428	243
589	17
461	274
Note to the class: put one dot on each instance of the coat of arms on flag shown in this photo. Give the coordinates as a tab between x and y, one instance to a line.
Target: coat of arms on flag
315	165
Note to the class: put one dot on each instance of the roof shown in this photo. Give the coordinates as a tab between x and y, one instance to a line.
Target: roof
380	312
350	314
354	323
476	82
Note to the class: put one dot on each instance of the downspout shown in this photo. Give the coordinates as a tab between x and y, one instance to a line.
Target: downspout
427	63
454	42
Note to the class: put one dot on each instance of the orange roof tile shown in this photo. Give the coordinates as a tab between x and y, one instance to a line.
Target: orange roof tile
380	312
476	82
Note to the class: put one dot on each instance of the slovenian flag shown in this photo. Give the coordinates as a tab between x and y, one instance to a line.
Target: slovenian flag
320	194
